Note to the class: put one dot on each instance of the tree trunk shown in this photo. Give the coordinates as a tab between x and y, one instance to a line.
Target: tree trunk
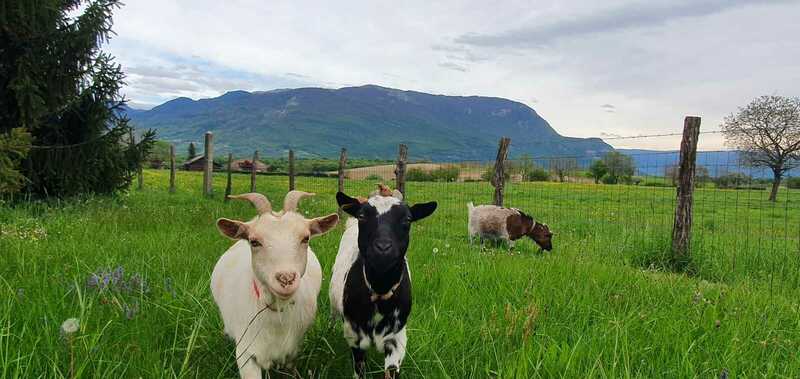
776	185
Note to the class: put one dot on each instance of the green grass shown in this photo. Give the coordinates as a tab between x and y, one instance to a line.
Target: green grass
600	305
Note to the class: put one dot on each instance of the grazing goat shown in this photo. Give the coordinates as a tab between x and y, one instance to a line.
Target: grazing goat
509	224
266	285
371	284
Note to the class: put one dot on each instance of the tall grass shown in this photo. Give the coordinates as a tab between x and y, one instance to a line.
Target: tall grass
599	305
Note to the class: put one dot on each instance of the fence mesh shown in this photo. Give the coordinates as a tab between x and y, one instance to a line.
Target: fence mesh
625	215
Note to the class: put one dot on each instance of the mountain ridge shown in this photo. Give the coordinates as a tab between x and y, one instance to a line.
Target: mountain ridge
368	120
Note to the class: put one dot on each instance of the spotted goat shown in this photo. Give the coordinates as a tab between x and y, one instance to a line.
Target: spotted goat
266	284
371	284
508	224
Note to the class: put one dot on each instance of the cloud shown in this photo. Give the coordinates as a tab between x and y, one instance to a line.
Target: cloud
610	108
660	59
452	66
628	16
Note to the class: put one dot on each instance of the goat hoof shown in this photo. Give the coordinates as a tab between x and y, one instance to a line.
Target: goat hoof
391	373
361	370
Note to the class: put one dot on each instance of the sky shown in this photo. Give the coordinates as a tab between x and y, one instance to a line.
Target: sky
590	68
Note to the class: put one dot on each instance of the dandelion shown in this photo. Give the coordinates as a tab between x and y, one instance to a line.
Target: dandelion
69	327
435	250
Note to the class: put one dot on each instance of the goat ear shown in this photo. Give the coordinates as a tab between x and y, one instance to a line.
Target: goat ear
232	229
322	225
348	204
420	211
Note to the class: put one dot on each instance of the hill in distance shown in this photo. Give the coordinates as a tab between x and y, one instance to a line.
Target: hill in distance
370	121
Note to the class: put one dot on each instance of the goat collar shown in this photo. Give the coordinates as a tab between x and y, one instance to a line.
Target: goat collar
374	296
257	292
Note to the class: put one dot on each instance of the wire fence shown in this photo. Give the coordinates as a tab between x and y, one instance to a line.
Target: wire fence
624	214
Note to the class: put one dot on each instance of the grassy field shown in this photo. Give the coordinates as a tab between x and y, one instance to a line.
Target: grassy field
599	305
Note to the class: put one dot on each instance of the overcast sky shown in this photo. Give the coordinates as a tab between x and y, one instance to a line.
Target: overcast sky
589	68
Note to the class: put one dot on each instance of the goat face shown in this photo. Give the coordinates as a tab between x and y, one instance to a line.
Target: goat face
541	234
279	246
384	223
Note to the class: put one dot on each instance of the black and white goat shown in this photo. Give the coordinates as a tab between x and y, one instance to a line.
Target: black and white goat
371	284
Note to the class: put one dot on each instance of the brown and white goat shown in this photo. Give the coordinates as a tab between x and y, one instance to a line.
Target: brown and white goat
509	224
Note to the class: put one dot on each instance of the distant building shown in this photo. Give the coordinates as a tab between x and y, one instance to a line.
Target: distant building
198	163
246	165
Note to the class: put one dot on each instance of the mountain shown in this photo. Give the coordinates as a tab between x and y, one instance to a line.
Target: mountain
370	121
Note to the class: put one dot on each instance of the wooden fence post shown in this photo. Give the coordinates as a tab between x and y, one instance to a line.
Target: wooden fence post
171	168
208	169
400	170
139	171
681	230
230	170
253	171
499	177
342	165
291	170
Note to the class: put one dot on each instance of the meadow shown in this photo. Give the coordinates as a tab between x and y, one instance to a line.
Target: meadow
135	268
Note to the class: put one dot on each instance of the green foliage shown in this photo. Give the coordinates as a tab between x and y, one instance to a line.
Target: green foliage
536	174
793	183
597	170
586	309
733	180
441	174
319	166
374	178
14	147
620	168
159	152
524	167
59	85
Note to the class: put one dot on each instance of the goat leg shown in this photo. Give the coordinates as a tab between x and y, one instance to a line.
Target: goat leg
359	362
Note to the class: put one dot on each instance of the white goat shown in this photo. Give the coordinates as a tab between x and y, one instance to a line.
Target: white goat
266	284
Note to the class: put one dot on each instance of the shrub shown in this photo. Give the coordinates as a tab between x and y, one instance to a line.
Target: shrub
793	183
418	175
374	178
733	180
442	174
536	174
446	174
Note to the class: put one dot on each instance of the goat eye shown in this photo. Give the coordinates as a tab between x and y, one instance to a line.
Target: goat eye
305	240
255	243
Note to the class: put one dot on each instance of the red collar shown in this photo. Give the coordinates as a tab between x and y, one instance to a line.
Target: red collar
256	290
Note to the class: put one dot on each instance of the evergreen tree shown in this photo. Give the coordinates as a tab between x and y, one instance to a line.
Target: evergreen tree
58	86
192	150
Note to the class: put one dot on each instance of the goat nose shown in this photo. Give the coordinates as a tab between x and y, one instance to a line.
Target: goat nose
383	245
286	279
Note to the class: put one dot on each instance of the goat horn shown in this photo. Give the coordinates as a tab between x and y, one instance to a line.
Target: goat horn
293	198
258	200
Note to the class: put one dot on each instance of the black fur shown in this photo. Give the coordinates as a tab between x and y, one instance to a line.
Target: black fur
383	240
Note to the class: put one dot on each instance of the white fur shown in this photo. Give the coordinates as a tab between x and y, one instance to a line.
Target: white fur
273	337
383	203
348	253
489	222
